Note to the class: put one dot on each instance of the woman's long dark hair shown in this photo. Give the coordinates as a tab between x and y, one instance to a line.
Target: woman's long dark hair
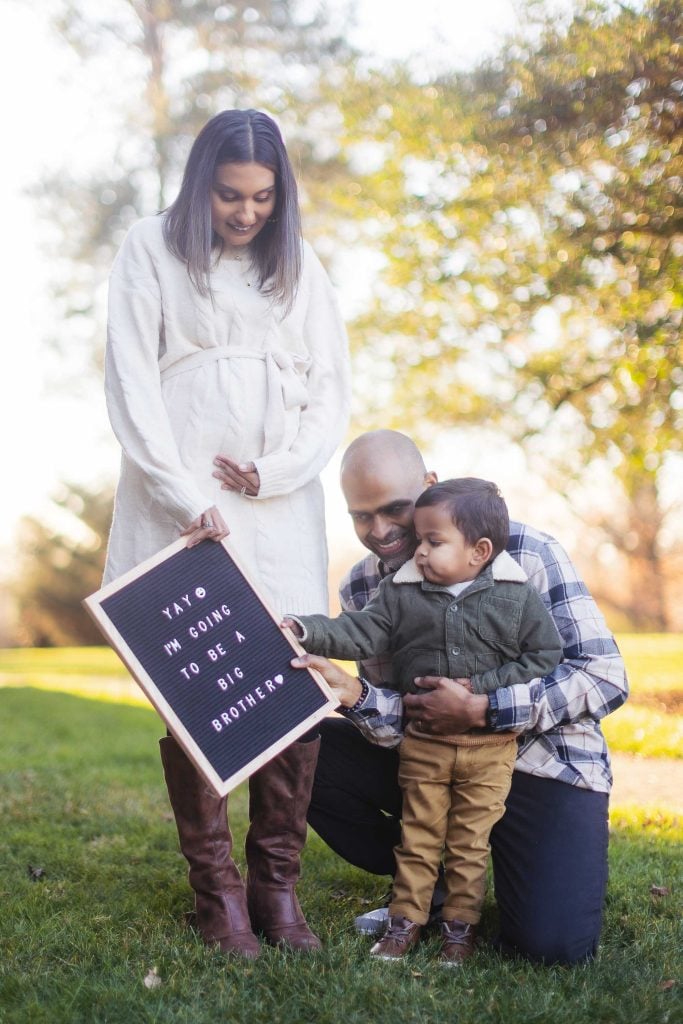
238	136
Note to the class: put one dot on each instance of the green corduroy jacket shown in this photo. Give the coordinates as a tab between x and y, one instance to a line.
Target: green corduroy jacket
497	632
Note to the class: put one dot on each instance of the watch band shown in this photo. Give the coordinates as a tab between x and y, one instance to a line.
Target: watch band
491	712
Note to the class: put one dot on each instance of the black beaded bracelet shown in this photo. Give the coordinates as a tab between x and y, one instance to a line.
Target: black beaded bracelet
364	691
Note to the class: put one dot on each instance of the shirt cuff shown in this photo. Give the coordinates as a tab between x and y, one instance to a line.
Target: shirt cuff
500	716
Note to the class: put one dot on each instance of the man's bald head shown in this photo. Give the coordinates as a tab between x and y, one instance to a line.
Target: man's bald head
382	475
378	449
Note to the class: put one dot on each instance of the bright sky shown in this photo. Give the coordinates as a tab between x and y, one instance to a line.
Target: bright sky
51	120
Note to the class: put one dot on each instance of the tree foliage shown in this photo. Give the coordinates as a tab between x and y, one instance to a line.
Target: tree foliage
175	63
525	218
60	565
530	220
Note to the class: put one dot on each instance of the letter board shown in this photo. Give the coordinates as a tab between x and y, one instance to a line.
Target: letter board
211	657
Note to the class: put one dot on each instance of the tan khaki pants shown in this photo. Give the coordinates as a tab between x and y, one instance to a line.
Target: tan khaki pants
452	798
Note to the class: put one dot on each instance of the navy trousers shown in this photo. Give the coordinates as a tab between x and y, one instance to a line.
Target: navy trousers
549	851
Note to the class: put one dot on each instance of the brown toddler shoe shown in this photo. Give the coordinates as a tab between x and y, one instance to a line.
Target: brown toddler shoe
401	936
457	943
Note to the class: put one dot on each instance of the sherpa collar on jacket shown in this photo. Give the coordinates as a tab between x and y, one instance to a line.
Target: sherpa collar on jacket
503	567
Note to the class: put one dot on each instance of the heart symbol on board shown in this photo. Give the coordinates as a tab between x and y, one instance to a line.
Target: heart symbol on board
278	679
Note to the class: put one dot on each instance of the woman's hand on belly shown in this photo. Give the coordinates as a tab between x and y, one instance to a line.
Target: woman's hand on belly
210	525
241	477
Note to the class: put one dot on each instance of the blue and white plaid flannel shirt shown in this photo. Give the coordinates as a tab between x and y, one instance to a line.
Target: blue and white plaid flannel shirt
558	717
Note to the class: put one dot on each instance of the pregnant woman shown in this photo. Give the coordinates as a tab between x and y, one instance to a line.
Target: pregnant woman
227	386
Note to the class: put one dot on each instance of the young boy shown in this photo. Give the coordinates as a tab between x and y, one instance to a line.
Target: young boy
462	608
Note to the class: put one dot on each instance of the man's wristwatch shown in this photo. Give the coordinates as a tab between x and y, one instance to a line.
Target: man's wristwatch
491	713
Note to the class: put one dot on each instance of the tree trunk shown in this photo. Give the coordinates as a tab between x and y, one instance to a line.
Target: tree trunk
646	600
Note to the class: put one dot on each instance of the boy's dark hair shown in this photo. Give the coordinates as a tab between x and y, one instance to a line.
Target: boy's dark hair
476	507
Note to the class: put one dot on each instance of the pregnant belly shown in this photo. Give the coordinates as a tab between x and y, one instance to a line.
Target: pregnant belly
217	409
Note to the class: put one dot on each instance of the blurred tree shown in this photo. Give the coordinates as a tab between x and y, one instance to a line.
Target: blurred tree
529	219
59	565
524	220
176	63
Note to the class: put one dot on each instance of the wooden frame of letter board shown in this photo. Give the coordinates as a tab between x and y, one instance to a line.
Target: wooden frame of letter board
221	785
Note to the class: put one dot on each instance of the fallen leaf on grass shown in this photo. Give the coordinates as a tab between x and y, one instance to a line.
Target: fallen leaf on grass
152	979
659	890
664	986
35	873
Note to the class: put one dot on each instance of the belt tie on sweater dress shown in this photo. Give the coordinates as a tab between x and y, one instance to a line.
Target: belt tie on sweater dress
285	388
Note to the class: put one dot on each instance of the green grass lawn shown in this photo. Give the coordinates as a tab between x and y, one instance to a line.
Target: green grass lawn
650	724
83	799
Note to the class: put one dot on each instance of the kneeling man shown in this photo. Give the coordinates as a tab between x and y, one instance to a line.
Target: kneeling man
549	850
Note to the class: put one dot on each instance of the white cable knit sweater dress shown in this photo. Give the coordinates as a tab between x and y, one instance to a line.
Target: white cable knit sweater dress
187	379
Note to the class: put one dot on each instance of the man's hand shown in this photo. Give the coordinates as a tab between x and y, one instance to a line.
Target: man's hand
346	688
445	707
462	681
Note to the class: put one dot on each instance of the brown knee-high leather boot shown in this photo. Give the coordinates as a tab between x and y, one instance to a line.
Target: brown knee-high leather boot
221	911
279	794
